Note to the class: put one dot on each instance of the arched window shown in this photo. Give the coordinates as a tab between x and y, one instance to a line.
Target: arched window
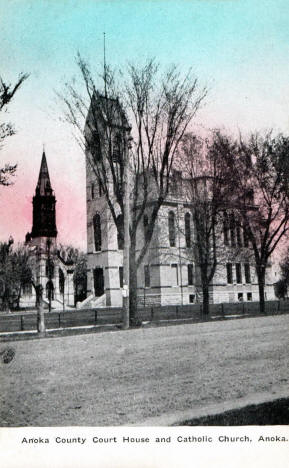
120	232
232	229
238	233
172	230
97	232
145	226
190	274
188	229
93	145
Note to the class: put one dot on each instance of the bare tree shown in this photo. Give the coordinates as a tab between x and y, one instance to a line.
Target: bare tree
15	273
281	286
147	114
258	177
7	92
206	195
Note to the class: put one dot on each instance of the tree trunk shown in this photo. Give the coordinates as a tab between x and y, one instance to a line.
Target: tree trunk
261	286
206	303
133	283
6	300
40	311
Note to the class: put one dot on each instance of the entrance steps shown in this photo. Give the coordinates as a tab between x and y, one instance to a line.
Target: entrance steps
91	302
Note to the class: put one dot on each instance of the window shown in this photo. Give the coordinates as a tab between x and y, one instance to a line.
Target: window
97	232
229	273
188	229
172	233
190	275
120	232
245	235
175	277
92	191
238	231
250	197
120	273
232	230
145	227
192	298
93	145
176	182
240	297
117	148
247	273
226	228
238	273
249	296
147	278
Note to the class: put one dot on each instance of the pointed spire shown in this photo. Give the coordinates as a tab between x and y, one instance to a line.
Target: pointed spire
44	216
43	184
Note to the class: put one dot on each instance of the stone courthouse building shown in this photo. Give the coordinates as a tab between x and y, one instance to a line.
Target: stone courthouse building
168	274
50	270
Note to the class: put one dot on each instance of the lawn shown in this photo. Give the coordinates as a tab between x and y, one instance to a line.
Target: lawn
127	377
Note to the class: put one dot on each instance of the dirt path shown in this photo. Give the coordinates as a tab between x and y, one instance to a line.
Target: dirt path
116	378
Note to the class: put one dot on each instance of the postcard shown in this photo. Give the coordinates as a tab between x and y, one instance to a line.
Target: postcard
144	220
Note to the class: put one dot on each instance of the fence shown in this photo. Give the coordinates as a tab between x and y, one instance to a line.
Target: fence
65	319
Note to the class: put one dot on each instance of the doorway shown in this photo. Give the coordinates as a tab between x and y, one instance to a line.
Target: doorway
98	281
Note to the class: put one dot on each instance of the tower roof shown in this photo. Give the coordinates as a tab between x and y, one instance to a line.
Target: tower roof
43	184
44	216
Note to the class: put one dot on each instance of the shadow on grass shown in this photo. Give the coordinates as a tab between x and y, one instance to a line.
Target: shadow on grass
266	414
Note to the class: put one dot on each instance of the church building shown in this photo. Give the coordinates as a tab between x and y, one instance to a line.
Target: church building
50	270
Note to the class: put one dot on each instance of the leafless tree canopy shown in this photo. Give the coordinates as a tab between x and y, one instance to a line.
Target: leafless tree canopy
7	92
258	179
149	112
207	196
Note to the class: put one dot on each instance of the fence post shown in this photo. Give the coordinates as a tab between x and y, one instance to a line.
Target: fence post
243	307
177	312
59	323
152	314
21	323
95	316
278	306
222	308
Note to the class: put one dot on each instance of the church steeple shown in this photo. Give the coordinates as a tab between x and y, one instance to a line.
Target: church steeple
43	185
44	222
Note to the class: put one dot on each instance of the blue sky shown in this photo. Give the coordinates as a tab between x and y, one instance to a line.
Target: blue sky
238	47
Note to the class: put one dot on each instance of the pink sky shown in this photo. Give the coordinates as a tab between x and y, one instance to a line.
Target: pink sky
239	49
